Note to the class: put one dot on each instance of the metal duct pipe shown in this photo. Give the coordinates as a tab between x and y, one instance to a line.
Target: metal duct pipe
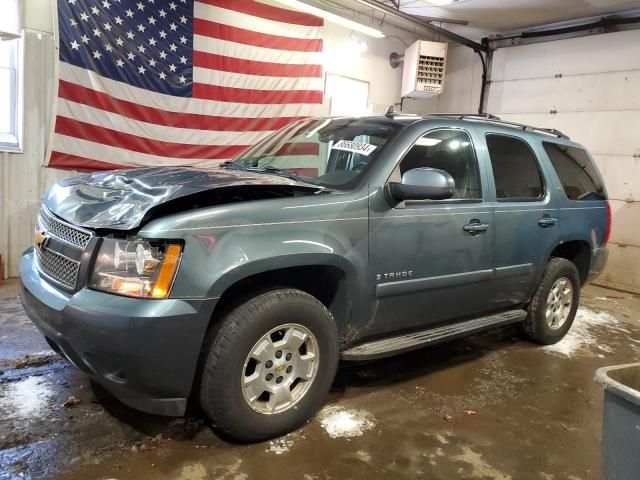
395	59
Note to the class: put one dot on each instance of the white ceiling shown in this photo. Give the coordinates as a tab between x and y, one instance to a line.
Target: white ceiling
496	16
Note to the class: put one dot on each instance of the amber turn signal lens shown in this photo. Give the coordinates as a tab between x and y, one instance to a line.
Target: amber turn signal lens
167	271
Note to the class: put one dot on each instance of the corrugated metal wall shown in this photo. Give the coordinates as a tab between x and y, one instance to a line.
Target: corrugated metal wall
22	179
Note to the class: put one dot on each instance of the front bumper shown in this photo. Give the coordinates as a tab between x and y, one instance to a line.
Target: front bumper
145	352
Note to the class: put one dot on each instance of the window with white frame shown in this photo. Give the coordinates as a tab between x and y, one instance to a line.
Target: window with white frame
349	96
9	95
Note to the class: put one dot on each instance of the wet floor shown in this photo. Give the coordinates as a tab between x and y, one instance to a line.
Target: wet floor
490	407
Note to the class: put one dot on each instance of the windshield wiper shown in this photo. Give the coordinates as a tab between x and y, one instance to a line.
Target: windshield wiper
233	165
274	171
266	169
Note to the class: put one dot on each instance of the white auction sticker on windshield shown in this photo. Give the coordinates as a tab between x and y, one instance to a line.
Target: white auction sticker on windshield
355	147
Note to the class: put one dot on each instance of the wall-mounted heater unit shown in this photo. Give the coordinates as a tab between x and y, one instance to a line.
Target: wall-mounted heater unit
423	70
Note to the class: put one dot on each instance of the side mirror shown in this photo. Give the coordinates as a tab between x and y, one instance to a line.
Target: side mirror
422	184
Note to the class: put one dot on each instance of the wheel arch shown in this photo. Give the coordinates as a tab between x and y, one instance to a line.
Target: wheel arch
326	277
577	251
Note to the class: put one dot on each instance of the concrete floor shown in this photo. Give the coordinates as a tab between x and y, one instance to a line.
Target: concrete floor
490	407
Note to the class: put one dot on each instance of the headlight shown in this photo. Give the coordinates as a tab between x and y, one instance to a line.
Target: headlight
136	268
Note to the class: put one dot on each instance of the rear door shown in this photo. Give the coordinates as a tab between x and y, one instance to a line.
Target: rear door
525	217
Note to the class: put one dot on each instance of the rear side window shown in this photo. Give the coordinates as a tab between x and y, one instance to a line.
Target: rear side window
579	176
515	169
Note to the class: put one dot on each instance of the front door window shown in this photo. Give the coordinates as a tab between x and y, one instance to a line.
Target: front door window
449	150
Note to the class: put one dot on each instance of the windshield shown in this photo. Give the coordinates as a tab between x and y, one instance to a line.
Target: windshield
331	152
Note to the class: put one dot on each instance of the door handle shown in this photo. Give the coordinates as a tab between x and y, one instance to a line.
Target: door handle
547	222
475	228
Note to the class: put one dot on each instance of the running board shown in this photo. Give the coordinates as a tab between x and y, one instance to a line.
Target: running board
411	341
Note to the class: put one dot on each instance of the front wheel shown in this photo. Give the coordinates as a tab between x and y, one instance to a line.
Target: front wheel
270	364
555	303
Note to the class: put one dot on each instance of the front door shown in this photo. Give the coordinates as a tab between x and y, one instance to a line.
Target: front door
432	260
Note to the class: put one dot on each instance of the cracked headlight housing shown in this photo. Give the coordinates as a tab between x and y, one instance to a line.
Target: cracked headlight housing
136	268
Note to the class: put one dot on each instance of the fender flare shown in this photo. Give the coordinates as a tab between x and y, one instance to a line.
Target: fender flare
264	265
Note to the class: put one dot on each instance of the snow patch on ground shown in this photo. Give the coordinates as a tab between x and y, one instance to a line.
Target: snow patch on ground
280	446
581	335
340	423
43	353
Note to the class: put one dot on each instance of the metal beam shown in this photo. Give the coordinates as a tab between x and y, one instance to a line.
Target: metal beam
454	37
453	21
569	29
487	68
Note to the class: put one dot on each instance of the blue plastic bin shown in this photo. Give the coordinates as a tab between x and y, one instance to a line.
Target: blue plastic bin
621	421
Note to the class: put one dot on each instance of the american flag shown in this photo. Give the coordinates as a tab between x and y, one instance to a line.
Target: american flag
157	82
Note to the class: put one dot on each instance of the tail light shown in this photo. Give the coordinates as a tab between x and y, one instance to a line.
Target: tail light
608	232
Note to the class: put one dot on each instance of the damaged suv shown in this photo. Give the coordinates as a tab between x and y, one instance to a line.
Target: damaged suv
241	286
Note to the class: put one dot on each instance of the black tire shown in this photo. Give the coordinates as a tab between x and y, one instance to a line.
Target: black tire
221	395
535	326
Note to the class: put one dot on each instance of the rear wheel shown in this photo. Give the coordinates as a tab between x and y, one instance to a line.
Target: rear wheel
554	306
270	364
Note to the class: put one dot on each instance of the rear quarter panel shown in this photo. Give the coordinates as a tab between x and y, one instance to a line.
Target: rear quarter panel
584	220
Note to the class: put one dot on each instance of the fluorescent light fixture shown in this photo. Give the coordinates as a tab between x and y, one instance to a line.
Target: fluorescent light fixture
332	17
440	3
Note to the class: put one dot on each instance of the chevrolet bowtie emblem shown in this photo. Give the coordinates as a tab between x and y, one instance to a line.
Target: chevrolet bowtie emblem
41	239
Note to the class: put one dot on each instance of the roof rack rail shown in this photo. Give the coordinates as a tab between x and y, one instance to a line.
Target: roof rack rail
548	131
552	131
495	119
488	116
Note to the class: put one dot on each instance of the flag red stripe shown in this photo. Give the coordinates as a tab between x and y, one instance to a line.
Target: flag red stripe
92	98
249	37
268	12
274	139
299	148
114	138
289	132
254	67
245	95
66	161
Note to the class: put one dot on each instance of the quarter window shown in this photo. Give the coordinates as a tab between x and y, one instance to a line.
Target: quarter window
448	150
515	169
577	172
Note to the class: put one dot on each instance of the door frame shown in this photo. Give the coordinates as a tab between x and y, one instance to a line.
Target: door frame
546	203
380	208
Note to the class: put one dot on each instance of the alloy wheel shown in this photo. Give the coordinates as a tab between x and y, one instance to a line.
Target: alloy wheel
280	369
559	303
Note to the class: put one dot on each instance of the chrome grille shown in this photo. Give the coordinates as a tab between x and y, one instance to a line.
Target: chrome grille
57	267
65	232
52	258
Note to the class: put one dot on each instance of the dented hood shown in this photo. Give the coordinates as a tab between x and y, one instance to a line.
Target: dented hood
123	199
